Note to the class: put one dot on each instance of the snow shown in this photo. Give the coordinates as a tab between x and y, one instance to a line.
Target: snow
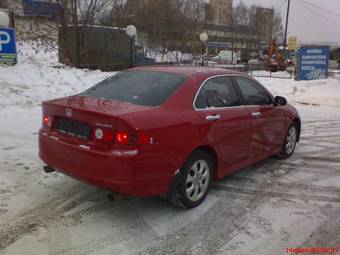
317	93
69	226
38	77
170	57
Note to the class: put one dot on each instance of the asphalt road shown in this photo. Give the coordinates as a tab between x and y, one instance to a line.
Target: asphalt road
264	209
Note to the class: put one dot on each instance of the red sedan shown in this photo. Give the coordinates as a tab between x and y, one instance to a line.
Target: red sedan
166	130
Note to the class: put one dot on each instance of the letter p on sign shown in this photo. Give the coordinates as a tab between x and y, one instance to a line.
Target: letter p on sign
4	38
8	51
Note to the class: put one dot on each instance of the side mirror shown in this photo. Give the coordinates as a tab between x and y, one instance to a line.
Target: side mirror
280	101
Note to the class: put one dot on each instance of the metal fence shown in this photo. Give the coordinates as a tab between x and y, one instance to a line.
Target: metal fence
257	71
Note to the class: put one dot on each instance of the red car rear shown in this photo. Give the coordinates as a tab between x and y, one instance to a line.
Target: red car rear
166	130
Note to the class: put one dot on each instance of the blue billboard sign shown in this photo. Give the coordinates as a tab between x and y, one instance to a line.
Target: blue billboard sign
8	50
313	63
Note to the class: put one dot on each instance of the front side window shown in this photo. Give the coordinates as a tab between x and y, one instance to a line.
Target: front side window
217	92
252	93
137	87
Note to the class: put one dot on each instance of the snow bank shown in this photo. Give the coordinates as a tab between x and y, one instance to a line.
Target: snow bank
38	77
316	93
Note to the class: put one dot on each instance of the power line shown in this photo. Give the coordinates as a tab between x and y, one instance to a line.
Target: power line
286	31
321	8
315	12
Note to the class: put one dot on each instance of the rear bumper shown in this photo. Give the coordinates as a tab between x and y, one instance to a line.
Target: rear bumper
129	172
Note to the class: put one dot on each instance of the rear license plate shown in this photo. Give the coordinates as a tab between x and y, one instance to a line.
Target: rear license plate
73	128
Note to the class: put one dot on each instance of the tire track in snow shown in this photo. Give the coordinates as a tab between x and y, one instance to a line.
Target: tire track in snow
219	225
41	215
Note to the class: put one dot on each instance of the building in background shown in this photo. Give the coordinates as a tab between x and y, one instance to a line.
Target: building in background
219	12
217	21
224	35
3	4
264	24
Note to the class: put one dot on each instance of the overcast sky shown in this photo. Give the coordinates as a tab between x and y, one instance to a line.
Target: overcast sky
303	23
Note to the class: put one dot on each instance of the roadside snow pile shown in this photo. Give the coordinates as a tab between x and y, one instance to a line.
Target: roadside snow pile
316	93
171	57
38	77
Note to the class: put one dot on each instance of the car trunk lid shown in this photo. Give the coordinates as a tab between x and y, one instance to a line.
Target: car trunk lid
88	121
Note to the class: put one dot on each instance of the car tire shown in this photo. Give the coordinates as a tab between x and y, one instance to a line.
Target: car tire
192	183
289	142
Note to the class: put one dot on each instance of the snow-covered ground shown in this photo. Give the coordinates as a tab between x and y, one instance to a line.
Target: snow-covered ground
263	209
38	77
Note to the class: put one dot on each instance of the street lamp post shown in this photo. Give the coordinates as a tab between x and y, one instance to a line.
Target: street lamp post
131	31
4	20
203	39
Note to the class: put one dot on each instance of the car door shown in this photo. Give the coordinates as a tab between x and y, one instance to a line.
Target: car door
268	121
227	123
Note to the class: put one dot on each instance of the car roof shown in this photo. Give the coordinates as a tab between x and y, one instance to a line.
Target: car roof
187	71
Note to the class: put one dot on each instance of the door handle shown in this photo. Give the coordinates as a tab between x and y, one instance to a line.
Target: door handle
213	117
256	115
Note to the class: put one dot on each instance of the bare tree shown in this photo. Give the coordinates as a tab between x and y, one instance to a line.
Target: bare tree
278	30
244	20
241	14
116	13
77	13
170	25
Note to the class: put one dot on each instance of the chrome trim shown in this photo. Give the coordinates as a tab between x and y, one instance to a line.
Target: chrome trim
229	107
54	138
103	125
84	146
213	117
256	115
125	153
220	108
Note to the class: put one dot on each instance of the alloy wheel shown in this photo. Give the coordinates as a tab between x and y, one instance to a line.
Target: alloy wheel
197	180
291	140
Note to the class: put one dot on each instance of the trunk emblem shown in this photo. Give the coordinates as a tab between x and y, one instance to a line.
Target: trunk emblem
68	112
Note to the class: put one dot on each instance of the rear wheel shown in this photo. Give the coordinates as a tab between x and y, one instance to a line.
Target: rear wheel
191	185
289	142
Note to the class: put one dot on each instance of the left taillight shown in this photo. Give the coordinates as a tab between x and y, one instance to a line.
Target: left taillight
47	121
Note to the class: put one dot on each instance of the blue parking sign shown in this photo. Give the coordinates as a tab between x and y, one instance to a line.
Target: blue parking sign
313	62
8	50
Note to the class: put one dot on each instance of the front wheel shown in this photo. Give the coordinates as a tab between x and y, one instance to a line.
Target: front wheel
191	185
289	142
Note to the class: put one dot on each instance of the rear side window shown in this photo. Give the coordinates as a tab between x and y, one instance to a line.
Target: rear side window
137	87
217	92
252	93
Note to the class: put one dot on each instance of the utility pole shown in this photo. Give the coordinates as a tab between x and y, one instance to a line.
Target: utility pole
286	31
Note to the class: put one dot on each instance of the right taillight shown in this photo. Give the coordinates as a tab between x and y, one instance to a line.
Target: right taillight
133	138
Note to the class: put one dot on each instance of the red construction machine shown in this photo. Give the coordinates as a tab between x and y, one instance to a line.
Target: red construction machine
275	61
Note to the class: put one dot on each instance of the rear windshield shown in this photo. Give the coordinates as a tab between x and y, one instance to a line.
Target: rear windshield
137	87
